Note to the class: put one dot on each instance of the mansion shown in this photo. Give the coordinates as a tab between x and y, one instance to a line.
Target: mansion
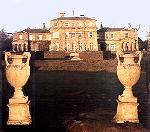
76	34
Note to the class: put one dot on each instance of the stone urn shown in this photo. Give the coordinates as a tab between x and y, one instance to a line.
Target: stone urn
17	74
75	56
128	72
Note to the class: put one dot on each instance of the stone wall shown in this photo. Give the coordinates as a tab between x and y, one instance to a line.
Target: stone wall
91	61
87	56
91	56
55	54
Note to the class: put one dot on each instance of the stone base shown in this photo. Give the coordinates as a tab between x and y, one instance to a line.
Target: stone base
19	114
13	122
126	111
22	100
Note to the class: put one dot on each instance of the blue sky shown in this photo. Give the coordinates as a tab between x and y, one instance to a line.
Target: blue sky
17	15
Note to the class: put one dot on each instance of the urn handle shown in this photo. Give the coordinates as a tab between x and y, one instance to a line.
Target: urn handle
140	54
7	54
118	53
27	55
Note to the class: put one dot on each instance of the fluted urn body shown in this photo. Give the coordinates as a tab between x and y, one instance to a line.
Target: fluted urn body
17	74
128	72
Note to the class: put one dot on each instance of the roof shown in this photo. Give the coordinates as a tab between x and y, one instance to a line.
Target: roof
29	30
107	29
73	18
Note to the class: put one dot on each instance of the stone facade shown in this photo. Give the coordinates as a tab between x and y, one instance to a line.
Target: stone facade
75	34
118	39
31	40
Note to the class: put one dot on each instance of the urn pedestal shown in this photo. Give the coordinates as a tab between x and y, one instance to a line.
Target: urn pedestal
17	74
128	72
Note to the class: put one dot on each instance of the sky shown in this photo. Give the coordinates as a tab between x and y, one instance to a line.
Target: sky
17	15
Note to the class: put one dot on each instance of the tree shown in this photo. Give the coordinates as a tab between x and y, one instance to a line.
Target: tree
5	41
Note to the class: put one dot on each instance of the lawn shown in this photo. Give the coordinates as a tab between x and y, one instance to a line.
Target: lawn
59	97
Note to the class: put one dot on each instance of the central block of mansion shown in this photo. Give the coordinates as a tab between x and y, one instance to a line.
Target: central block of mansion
73	34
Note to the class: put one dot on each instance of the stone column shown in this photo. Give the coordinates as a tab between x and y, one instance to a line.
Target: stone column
13	47
26	47
129	46
17	47
22	47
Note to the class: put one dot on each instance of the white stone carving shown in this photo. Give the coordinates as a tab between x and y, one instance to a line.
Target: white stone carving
17	74
128	72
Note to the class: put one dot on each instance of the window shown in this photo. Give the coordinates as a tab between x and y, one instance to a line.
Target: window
56	35
67	34
126	35
85	47
106	36
73	34
80	34
49	37
90	24
91	46
80	24
80	46
25	47
55	24
66	24
90	34
111	36
57	46
74	47
44	37
30	37
67	47
20	36
73	24
112	47
15	48
40	37
19	47
37	47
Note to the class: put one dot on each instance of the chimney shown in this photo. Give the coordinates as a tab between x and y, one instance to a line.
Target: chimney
62	14
72	12
44	27
82	15
101	26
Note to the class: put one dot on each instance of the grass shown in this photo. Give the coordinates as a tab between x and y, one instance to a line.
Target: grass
58	97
